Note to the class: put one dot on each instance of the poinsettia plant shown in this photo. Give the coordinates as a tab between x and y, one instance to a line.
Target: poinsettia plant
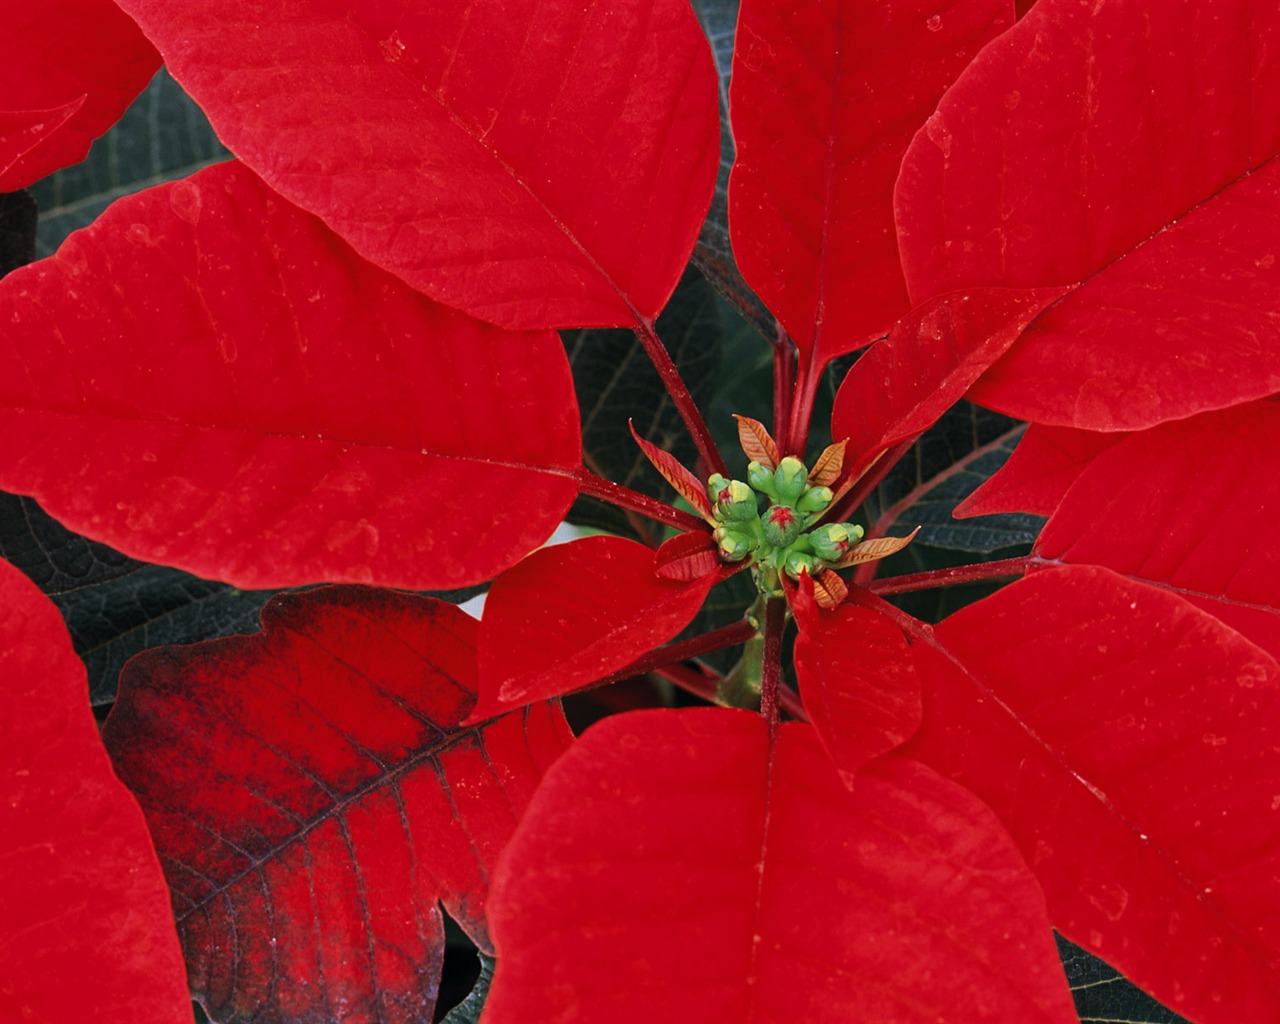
333	359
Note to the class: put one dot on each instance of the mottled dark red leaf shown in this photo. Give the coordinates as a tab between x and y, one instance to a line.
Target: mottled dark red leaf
901	385
535	164
1131	148
313	794
670	869
85	929
1193	506
573	613
858	682
210	378
1131	744
825	97
1046	462
80	62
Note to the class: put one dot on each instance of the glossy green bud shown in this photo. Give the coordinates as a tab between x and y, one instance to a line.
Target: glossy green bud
831	542
715	484
790	479
782	525
734	545
815	499
798	562
737	503
760	478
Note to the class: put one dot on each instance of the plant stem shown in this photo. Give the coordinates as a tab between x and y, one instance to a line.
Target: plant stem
1006	567
625	498
674	383
806	388
775	618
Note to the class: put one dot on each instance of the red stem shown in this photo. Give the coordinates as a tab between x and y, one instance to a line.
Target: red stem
775	618
806	388
626	498
726	636
1006	567
674	383
848	503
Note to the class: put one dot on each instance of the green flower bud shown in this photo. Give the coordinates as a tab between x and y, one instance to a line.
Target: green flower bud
760	478
715	484
831	542
737	503
734	545
781	526
815	499
798	562
790	479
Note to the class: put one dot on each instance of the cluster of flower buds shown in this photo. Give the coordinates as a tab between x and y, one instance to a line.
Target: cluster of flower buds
781	539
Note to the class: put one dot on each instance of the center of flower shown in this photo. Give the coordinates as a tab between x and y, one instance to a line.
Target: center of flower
787	537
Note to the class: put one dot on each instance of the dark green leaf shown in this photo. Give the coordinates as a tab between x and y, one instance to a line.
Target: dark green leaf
151	606
163	135
946	465
713	255
1103	994
616	382
468	1011
17	231
55	559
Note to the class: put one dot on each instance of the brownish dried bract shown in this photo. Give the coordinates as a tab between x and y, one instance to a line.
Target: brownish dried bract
826	471
870	550
757	443
686	484
829	589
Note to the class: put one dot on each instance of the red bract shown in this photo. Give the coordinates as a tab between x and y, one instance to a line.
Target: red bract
269	373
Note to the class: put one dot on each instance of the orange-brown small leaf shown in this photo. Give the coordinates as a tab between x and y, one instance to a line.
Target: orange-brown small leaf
687	485
829	589
757	443
880	547
687	557
826	470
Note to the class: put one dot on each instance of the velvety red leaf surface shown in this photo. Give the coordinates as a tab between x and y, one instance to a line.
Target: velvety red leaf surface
824	98
209	378
21	131
1192	506
857	680
1131	744
1044	465
901	385
671	869
57	54
573	613
1134	152
85	928
313	794
535	164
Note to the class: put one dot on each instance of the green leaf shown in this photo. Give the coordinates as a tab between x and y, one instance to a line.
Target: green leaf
163	135
1104	995
947	464
468	1011
616	382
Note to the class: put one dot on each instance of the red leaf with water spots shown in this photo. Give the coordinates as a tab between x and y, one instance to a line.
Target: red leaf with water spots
313	795
857	680
86	932
1131	744
1215	543
670	869
1097	143
573	613
535	164
70	67
902	384
236	393
825	97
